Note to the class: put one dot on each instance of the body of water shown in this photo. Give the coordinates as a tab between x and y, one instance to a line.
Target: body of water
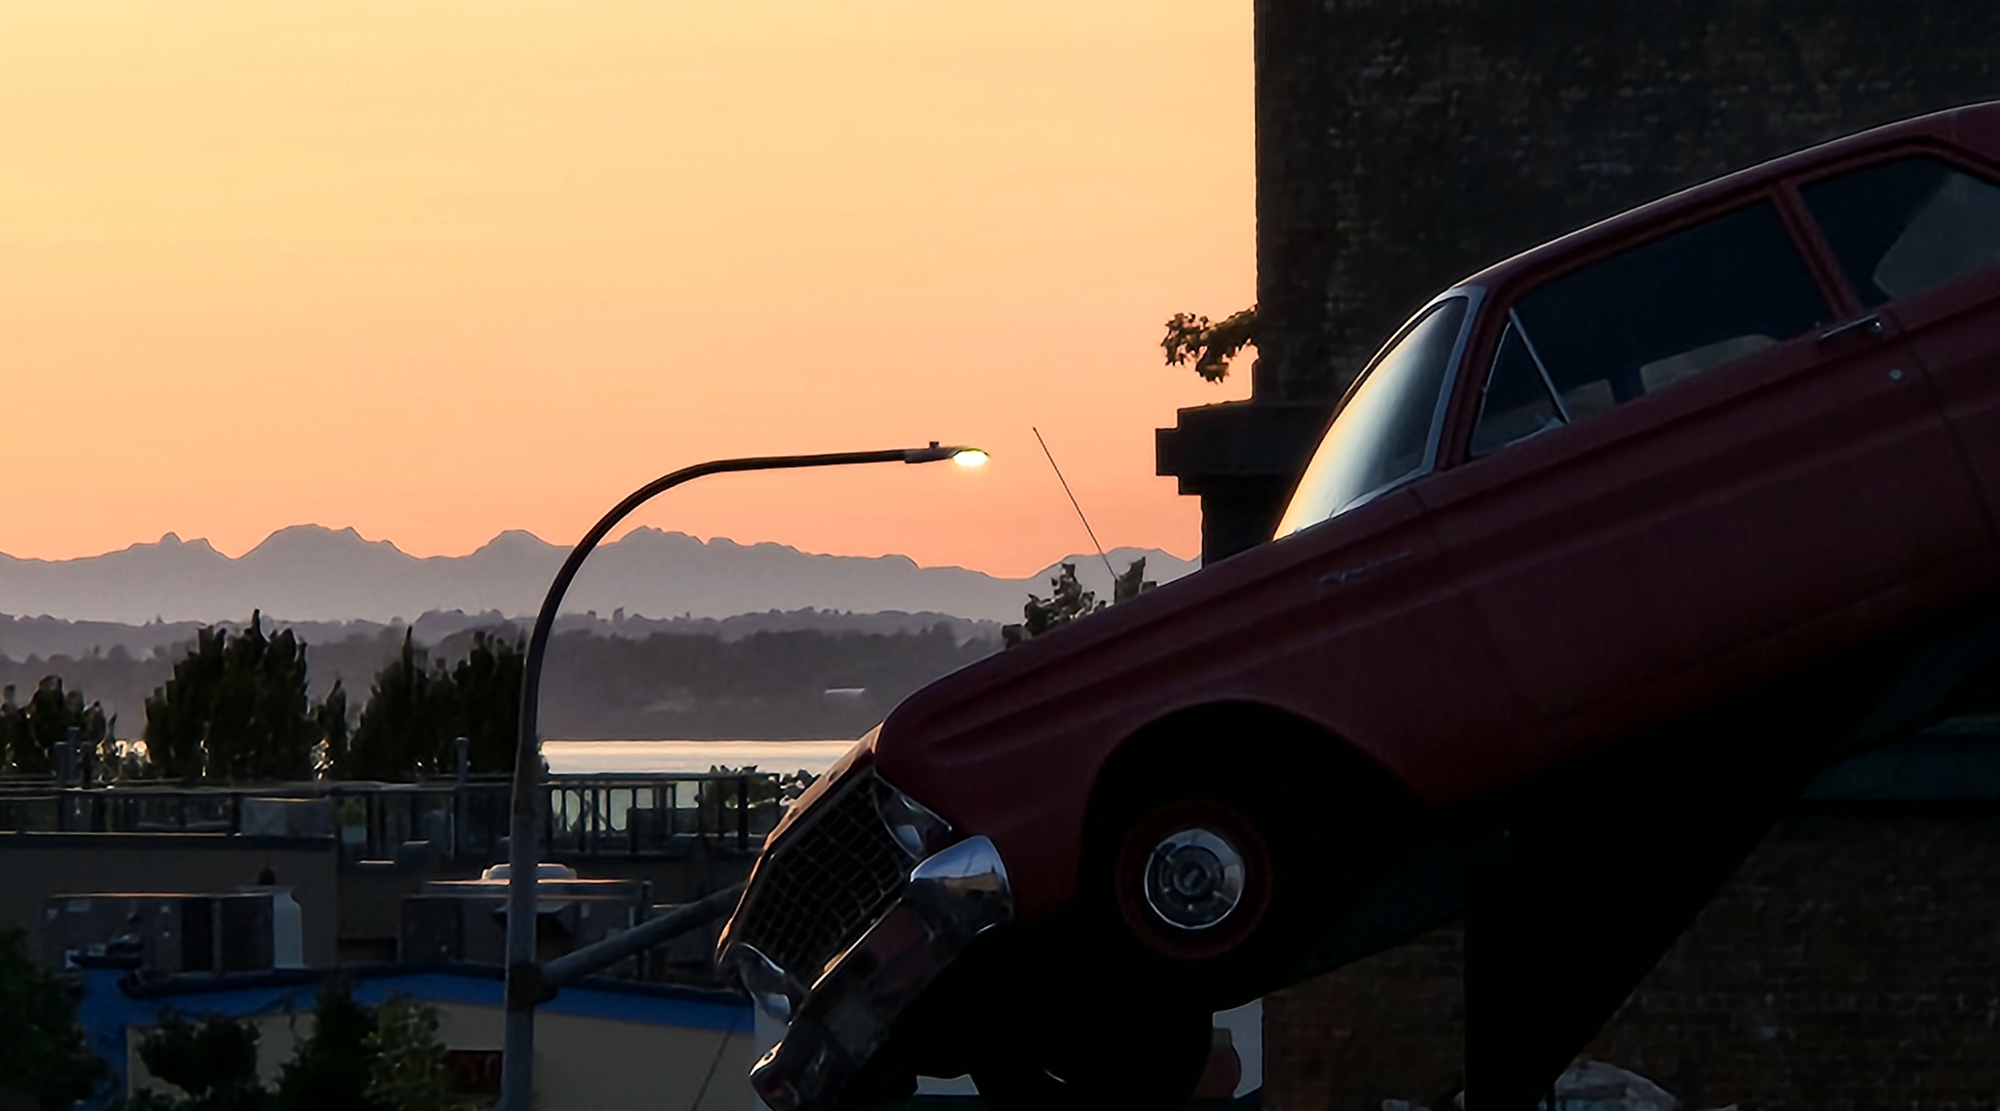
656	757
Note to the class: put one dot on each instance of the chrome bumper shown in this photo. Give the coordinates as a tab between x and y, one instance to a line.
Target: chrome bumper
953	896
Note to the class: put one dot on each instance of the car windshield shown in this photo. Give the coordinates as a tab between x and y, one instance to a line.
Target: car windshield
1383	434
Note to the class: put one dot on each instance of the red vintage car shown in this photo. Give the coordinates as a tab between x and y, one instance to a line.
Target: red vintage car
1669	461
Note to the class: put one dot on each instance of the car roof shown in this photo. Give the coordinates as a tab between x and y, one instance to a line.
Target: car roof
1975	126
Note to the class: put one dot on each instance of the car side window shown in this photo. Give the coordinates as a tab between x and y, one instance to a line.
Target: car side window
1644	319
1906	225
1384	432
1519	400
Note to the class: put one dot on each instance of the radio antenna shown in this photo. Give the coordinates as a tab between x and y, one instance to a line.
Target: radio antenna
1073	502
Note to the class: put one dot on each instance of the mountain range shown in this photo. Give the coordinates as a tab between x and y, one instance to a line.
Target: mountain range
311	573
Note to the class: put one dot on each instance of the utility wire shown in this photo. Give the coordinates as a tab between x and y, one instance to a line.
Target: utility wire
1073	502
702	1093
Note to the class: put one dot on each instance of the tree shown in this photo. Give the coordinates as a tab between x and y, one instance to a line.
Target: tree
718	795
329	1070
488	698
44	1064
1068	600
213	1061
28	733
235	708
417	709
356	1059
406	1071
330	716
408	722
117	759
1208	345
176	715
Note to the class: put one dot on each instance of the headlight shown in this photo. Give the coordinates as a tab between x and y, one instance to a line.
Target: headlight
916	827
771	990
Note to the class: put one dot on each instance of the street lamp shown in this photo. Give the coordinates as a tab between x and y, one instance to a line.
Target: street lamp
527	981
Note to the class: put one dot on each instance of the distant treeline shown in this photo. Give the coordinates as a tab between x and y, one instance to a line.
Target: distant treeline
774	684
22	637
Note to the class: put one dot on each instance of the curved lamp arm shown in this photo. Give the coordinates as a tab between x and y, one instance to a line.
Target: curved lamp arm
525	986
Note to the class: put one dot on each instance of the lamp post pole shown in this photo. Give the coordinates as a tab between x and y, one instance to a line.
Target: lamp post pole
526	983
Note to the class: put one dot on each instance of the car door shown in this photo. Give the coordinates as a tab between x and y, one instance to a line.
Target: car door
1366	631
1681	457
1917	238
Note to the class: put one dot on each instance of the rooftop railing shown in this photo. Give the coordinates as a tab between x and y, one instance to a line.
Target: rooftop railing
586	816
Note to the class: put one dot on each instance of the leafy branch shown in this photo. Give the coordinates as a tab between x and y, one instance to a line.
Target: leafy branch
1071	601
1209	345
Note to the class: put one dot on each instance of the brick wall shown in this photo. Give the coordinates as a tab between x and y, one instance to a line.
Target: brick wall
1389	1027
1851	964
1403	144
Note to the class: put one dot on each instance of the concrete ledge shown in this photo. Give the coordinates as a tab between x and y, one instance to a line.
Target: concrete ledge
1238	440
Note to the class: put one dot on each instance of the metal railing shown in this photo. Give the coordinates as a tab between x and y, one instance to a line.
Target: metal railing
586	816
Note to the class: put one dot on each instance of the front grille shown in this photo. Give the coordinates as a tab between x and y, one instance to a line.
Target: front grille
824	884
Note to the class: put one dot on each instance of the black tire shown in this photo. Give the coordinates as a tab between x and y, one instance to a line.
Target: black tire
1136	1059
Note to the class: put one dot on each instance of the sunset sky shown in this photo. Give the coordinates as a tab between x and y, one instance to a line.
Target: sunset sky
437	270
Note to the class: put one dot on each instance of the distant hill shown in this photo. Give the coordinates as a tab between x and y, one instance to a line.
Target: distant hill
310	573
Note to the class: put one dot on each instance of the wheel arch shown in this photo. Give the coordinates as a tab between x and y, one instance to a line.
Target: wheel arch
1303	787
1262	740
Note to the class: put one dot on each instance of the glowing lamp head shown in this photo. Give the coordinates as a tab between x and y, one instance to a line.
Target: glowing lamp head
967	457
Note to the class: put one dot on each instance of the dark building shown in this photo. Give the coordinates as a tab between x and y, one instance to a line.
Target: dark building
1404	144
356	872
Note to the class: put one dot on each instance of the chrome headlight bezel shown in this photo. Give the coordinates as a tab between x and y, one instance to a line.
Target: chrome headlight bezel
917	829
771	989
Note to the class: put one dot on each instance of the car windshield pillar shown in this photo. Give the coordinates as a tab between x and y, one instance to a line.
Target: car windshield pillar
1386	431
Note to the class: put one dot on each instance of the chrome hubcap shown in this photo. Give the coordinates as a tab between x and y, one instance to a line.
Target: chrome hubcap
1194	879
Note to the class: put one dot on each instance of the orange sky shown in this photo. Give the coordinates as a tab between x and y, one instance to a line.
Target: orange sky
436	270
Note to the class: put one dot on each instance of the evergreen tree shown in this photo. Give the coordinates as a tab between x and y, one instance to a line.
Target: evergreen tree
330	716
119	760
176	715
407	725
488	697
235	708
28	733
417	709
329	1071
44	1065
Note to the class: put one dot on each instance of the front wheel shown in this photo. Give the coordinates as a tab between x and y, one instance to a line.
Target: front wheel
1193	879
1192	892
